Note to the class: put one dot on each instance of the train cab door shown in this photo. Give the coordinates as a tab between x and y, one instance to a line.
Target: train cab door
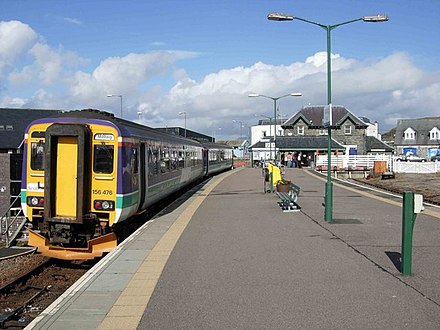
66	176
67	172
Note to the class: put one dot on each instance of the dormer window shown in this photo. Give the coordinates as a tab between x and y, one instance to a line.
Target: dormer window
300	130
409	134
434	134
347	129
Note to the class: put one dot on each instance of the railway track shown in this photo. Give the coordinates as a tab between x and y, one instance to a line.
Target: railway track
23	297
395	190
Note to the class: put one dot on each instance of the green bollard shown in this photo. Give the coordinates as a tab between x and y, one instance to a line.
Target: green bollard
412	204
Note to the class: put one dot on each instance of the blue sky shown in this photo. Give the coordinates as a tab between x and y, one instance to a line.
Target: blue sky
205	57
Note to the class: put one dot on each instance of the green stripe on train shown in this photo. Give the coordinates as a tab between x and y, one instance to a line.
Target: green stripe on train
127	200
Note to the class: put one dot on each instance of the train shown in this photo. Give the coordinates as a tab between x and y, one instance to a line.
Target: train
86	172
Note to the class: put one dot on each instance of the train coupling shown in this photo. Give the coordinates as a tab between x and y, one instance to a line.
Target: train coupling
95	248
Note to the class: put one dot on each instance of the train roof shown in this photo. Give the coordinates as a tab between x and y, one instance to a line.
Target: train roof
213	145
127	128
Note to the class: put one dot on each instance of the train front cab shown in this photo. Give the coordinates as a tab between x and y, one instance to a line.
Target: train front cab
71	189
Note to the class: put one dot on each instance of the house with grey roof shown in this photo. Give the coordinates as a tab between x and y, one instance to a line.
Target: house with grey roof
348	130
304	134
418	136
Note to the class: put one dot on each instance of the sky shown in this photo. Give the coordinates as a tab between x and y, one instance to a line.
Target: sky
202	58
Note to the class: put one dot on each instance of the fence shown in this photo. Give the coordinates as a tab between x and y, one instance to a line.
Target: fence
416	167
367	161
353	161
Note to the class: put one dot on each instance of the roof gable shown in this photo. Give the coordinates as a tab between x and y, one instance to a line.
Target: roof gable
314	116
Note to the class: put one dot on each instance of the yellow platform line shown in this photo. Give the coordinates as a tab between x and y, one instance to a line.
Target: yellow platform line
127	311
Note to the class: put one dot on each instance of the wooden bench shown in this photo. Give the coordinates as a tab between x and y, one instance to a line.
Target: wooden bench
289	199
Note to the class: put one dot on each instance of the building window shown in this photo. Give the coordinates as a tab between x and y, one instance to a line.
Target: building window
347	129
434	134
409	134
323	132
300	130
9	128
263	133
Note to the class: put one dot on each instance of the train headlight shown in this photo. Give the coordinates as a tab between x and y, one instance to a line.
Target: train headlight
35	201
104	205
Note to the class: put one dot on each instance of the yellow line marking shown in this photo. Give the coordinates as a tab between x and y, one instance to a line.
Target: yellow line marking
127	311
382	199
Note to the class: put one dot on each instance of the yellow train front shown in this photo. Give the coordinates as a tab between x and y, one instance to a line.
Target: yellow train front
86	171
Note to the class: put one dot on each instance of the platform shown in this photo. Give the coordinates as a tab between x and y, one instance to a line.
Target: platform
10	252
227	257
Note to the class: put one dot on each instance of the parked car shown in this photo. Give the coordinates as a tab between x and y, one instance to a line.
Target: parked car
415	158
410	158
401	158
435	158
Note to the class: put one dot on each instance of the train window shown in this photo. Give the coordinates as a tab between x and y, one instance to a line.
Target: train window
38	134
103	158
181	159
173	160
164	160
37	155
152	162
134	161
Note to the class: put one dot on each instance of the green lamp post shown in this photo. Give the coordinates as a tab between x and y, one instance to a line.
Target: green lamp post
275	99
286	17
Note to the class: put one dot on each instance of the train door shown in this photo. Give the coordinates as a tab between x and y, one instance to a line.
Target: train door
67	173
66	176
205	154
143	161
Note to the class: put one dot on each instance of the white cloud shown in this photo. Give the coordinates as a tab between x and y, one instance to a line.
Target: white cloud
74	21
16	39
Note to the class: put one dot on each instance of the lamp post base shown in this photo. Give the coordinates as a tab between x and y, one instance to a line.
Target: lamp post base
328	212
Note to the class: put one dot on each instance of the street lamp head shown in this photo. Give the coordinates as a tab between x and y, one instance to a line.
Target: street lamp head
253	95
182	112
279	17
295	94
375	18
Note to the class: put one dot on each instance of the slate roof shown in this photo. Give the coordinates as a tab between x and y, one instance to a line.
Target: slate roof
313	115
374	143
301	143
270	122
15	121
421	126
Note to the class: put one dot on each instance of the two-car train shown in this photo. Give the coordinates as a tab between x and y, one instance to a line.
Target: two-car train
85	172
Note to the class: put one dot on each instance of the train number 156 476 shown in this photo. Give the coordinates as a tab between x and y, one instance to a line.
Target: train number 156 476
102	192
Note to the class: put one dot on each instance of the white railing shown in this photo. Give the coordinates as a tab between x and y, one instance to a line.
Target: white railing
416	167
353	161
367	161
